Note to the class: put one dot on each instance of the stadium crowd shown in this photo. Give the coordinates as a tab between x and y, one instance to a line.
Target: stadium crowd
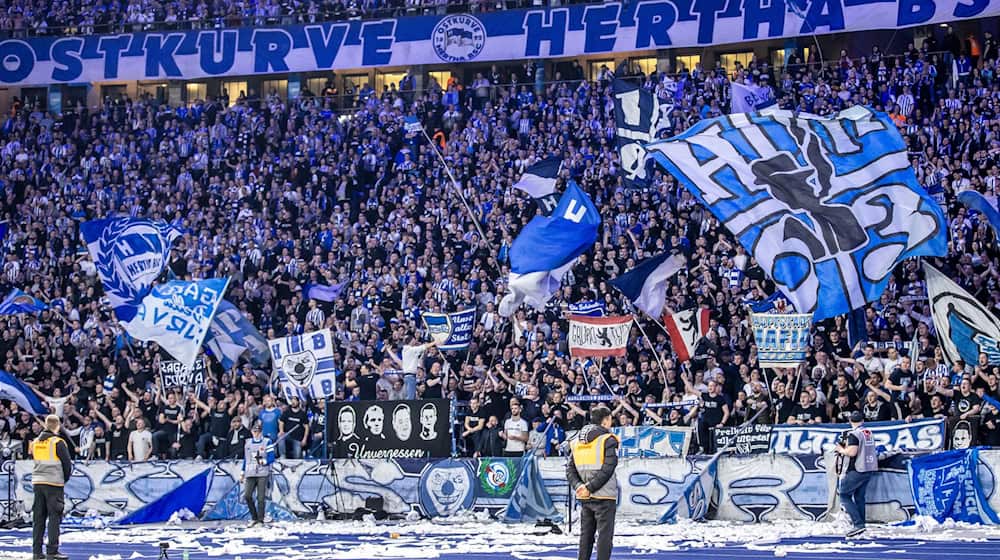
22	18
277	194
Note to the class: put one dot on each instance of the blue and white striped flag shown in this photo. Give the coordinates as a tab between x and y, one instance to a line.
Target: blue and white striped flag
304	364
177	315
129	253
14	389
231	334
827	206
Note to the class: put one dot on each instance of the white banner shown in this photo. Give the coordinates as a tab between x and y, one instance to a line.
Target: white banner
304	363
614	27
782	339
598	336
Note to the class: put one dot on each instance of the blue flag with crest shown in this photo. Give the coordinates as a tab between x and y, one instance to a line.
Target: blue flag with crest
129	253
827	206
19	302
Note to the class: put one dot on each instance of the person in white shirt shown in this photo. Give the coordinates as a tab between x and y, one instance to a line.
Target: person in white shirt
410	359
140	442
515	431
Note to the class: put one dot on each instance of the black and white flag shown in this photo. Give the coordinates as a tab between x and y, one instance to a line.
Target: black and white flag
539	181
639	118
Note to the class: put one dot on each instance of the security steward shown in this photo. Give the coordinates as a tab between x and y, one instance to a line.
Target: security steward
52	469
591	473
862	460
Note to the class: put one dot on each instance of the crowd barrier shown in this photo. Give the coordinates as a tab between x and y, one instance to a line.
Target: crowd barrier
768	487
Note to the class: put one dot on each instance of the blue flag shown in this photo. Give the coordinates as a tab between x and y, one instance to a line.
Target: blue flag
547	248
305	364
827	206
129	253
946	485
975	201
4	228
177	315
323	292
231	334
769	304
530	501
19	302
646	284
14	389
452	331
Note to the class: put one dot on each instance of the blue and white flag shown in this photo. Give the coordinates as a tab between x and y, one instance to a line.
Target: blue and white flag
546	249
782	338
14	389
827	206
639	118
750	98
323	292
539	182
304	363
129	253
231	334
452	331
18	302
965	327
646	284
975	201
530	501
696	494
773	301
590	308
946	485
177	316
412	124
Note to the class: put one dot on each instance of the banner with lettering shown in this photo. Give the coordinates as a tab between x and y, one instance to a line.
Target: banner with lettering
947	486
652	441
389	429
782	338
598	336
614	27
920	435
176	374
749	439
452	331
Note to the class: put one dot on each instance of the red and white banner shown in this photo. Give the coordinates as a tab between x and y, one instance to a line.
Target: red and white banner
686	329
598	336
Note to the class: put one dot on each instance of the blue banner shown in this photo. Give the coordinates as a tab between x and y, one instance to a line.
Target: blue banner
615	27
452	331
231	334
590	308
946	486
782	339
920	435
652	441
177	315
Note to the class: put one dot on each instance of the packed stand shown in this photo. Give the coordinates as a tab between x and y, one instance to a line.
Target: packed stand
23	18
279	194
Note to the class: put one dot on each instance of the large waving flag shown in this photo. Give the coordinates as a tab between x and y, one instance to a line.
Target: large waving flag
231	334
539	182
976	201
129	253
646	284
177	315
964	326
546	249
639	118
14	389
322	292
19	302
827	206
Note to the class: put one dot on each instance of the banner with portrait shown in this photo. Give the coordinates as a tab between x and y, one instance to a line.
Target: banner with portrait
415	429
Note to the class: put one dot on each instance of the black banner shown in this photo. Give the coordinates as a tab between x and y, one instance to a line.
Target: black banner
389	429
174	374
744	440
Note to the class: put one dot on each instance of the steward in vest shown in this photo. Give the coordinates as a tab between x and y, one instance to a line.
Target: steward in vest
52	469
862	461
591	473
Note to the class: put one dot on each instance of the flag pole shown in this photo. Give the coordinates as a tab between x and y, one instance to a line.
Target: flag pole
454	185
659	360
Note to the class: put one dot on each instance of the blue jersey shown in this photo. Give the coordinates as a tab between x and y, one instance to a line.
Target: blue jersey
269	422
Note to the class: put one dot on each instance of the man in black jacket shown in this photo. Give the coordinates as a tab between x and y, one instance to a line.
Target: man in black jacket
591	473
49	476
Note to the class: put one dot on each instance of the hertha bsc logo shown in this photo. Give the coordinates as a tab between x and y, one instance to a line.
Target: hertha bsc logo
458	38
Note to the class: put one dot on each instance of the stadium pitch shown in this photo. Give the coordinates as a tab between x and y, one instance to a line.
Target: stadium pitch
495	541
